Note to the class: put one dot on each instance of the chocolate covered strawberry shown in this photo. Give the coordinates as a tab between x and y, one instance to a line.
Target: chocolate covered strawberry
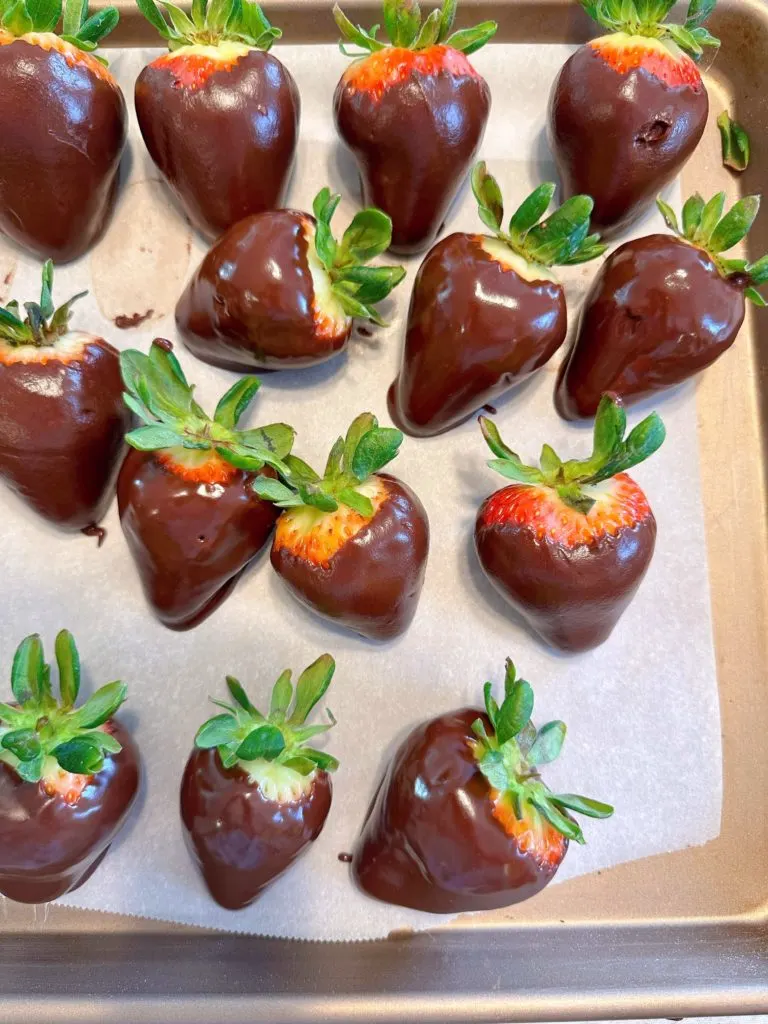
68	776
487	312
413	113
663	307
351	545
629	108
568	543
277	290
254	793
218	113
463	820
62	416
188	510
62	127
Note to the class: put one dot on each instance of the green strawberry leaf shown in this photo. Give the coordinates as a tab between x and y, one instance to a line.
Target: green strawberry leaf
470	40
23	743
488	195
360	425
241	698
402	19
755	298
710	216
99	708
548	743
368	235
372	284
569	828
356	501
311	687
28	670
265	742
531	210
282	692
735	225
31	771
447	16
216	732
325	762
45	15
582	805
75	12
149	439
515	711
81	756
374	450
430	31
68	662
669	215
98	26
692	213
233	404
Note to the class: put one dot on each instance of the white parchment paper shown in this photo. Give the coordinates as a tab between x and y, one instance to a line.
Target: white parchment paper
641	710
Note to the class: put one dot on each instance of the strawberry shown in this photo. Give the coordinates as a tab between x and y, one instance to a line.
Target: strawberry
62	417
278	290
68	776
463	820
629	108
187	508
485	312
62	125
413	114
662	308
351	545
219	114
254	795
567	544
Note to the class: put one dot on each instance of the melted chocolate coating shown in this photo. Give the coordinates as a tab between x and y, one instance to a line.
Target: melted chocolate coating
620	138
49	847
475	330
227	147
190	540
657	313
373	582
63	130
431	841
62	424
240	841
414	146
249	304
573	597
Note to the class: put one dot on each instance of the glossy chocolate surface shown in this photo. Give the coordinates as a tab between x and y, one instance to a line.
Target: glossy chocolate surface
475	330
620	138
49	847
431	841
240	841
190	540
62	424
414	146
227	146
571	597
657	313
249	304
63	129
373	582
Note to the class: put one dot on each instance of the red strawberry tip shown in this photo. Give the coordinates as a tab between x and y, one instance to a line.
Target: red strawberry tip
274	747
707	226
44	323
405	30
612	454
173	424
236	21
648	18
41	736
510	753
560	240
353	460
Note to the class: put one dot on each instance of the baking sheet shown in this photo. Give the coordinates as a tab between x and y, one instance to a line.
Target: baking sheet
640	713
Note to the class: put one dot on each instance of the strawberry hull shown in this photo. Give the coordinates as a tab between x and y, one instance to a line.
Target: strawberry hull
63	129
226	145
572	596
49	847
621	136
657	313
414	140
62	424
476	328
190	539
241	841
431	841
372	584
239	314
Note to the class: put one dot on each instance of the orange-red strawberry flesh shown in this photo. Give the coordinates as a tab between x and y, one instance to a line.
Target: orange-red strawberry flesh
394	65
532	833
673	69
192	70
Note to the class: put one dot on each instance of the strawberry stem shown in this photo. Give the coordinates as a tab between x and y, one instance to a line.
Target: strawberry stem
405	29
648	18
236	21
23	16
612	453
39	733
43	323
508	756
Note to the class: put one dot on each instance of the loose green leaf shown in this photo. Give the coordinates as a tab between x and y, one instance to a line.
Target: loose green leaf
735	143
266	742
68	662
99	708
311	686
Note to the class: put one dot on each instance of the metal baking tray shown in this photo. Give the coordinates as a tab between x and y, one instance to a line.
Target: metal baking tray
669	936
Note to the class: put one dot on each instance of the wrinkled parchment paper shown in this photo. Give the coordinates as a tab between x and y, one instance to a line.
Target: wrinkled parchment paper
641	710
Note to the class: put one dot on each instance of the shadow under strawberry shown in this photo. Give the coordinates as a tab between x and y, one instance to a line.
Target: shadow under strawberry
62	415
351	545
462	820
63	127
187	507
254	794
218	113
68	776
487	312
